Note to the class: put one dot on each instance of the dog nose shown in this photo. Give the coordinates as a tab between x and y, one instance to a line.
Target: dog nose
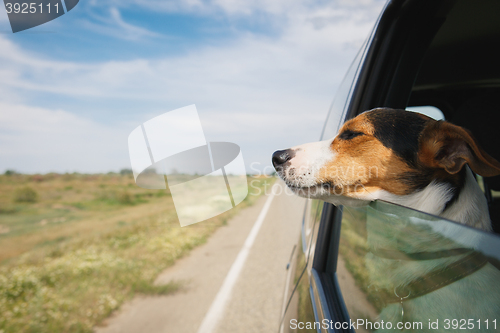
280	157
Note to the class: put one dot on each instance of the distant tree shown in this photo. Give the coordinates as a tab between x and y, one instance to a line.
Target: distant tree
10	172
125	171
125	198
37	178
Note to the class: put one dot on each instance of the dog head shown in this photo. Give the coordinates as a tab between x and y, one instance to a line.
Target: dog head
382	151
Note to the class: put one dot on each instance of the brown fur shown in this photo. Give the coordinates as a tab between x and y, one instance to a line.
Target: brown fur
448	146
363	163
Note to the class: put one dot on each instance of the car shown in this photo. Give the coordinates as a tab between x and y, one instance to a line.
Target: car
440	58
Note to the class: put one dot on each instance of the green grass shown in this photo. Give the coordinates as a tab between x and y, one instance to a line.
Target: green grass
353	248
84	247
25	194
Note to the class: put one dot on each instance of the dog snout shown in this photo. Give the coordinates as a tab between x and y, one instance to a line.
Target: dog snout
281	156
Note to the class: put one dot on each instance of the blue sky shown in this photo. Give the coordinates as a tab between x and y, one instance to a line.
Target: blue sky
262	74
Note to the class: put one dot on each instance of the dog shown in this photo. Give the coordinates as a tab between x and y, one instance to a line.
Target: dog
398	156
415	161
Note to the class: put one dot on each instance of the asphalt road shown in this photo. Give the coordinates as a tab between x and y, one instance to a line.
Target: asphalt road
247	300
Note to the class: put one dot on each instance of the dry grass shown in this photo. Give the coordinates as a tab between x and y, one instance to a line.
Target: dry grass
353	248
86	245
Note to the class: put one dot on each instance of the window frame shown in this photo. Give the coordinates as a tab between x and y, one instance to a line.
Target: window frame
384	76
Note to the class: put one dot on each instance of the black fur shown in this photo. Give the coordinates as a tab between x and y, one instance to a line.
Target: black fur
456	188
348	134
398	130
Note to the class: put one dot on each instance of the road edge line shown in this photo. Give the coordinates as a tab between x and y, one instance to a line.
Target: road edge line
214	313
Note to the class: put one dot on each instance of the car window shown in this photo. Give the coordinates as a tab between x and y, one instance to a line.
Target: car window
416	271
313	210
428	110
344	92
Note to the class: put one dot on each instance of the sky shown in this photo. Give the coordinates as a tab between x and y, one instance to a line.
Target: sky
262	74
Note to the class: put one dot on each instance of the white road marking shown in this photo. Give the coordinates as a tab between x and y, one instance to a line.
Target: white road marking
216	310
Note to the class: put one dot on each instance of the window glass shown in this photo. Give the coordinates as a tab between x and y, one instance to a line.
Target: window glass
336	114
416	271
312	212
428	110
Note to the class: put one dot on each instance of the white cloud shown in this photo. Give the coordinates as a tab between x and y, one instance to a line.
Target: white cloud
264	93
303	52
241	7
115	26
35	139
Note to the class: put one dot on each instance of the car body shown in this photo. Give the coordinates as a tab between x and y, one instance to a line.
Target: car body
437	57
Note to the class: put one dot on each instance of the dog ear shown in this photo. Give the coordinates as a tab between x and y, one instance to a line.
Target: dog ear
449	146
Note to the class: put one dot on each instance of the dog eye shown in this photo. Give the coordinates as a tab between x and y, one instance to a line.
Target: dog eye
348	135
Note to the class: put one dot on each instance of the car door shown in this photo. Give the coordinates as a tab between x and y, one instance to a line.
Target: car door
455	267
383	74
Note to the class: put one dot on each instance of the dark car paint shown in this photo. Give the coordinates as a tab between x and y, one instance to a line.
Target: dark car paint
393	52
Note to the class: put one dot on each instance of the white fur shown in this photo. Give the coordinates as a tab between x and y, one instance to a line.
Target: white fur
470	208
431	199
304	166
302	177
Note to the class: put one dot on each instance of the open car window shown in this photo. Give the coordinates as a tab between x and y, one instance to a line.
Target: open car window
430	111
401	268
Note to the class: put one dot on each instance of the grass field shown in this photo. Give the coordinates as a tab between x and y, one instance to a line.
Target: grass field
74	247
